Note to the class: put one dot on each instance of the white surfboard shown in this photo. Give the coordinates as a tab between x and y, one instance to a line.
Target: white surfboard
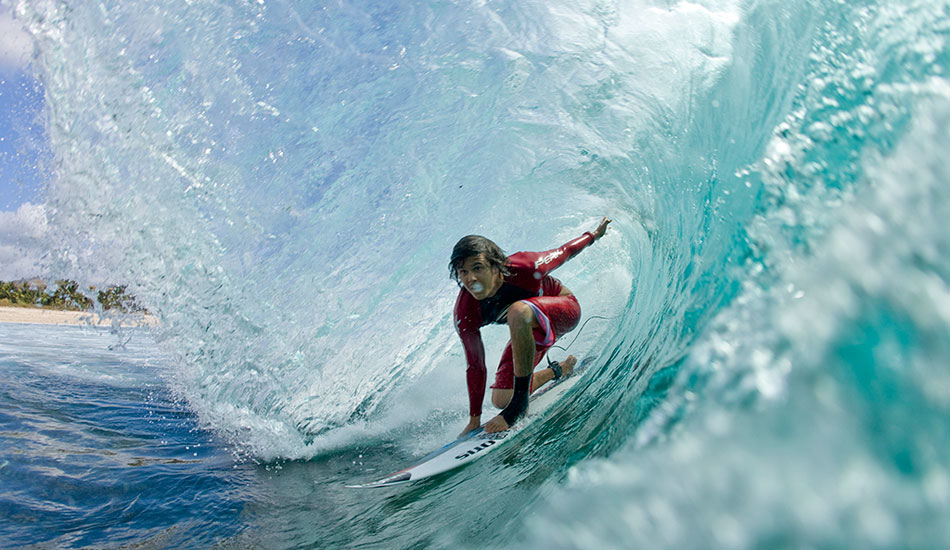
478	443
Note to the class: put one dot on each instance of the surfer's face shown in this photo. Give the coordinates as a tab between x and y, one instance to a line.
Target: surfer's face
479	278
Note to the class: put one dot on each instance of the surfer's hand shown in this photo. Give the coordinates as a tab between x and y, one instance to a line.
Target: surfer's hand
473	423
601	229
497	424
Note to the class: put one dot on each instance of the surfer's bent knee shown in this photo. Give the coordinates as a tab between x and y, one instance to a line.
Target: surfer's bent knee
501	397
520	313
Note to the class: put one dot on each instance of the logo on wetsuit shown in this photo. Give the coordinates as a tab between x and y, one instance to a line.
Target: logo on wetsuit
548	259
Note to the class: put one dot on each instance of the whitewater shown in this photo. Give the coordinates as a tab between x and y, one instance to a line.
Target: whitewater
281	183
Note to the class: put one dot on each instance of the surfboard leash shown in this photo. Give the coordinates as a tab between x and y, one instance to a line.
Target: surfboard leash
576	336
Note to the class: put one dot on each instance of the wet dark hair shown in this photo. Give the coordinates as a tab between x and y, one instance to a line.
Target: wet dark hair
474	245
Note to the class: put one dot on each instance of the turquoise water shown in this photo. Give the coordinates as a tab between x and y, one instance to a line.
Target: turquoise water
281	184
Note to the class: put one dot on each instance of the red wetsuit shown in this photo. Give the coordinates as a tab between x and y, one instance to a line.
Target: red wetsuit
527	280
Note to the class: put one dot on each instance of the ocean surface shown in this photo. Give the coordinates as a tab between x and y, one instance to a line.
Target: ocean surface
281	184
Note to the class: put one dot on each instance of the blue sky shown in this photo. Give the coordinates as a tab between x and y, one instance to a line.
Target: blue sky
20	105
22	218
20	138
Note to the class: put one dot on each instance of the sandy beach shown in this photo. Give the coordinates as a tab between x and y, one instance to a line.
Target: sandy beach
56	317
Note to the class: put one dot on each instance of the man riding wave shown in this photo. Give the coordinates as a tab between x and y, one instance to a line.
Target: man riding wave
518	291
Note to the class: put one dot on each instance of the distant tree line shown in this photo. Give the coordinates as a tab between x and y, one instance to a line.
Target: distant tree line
65	295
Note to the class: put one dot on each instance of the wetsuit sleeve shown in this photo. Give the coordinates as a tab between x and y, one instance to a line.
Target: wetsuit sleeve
476	374
548	261
467	323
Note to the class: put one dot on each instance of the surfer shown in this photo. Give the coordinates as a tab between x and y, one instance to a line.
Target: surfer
518	291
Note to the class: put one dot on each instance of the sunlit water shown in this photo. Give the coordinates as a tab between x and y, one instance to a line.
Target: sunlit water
280	184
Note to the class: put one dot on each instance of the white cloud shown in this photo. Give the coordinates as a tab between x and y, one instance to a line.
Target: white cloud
16	46
22	242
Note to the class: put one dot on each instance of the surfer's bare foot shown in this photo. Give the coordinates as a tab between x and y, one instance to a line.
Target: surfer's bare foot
497	424
567	366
